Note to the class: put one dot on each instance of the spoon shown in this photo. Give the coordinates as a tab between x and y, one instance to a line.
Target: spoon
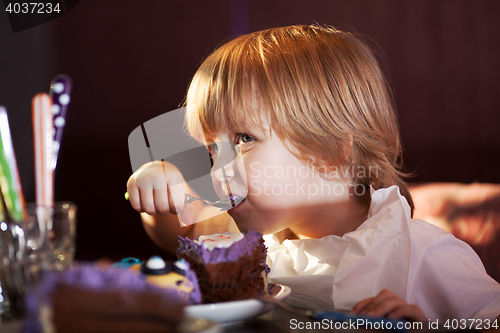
224	204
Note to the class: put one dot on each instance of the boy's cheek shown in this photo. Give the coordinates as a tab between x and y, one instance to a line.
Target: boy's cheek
254	171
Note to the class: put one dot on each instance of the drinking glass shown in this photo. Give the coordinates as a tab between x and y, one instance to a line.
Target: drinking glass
60	233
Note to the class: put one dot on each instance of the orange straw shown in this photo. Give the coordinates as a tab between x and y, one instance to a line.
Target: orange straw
42	136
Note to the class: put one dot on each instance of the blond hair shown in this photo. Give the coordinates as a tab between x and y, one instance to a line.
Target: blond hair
321	90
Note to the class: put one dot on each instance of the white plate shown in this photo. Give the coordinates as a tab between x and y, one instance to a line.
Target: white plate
236	312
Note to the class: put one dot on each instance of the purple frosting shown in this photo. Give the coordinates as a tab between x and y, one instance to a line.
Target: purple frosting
88	276
232	253
195	295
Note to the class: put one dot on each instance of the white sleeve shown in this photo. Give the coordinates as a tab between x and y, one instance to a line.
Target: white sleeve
451	283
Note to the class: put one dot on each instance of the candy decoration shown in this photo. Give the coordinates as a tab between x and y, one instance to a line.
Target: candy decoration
42	137
60	92
10	183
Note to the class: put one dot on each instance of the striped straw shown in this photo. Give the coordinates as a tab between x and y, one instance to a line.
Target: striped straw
42	136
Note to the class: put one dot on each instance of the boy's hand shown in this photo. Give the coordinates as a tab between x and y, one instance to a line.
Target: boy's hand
157	188
387	304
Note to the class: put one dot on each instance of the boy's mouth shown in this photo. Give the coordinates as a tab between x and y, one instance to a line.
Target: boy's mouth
229	202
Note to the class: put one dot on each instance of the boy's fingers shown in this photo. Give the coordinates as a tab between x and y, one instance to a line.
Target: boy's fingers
161	202
377	301
361	305
386	303
147	201
408	311
176	198
134	199
385	307
176	188
133	194
157	188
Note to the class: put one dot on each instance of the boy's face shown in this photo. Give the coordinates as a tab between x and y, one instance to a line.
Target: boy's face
283	191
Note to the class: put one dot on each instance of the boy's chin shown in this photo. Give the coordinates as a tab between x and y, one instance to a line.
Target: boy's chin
244	226
265	230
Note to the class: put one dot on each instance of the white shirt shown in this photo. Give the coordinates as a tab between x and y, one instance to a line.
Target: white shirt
417	261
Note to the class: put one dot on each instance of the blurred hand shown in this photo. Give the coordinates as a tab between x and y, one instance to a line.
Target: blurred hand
157	188
387	304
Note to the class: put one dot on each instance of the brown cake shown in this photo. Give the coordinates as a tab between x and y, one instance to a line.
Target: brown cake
87	299
229	266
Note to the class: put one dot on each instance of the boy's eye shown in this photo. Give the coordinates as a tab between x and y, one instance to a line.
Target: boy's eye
243	138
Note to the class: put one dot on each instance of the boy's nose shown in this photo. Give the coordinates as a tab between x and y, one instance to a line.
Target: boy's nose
220	169
224	160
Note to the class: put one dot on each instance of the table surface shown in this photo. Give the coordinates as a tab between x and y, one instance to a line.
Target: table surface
280	321
275	321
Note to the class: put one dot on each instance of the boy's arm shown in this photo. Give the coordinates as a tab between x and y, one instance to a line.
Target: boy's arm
164	229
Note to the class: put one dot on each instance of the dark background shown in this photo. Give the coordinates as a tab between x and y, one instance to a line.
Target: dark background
133	60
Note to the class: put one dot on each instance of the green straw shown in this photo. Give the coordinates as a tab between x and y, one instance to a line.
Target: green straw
10	184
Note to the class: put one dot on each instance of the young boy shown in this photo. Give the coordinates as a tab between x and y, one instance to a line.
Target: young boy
340	234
